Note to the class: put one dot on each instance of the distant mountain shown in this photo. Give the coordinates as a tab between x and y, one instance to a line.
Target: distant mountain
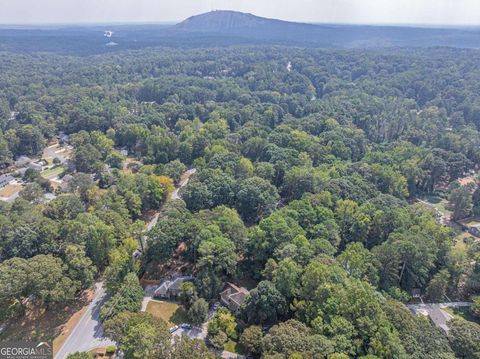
226	28
216	21
247	26
233	21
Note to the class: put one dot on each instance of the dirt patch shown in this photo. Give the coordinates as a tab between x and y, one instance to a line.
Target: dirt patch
466	180
174	266
67	328
9	190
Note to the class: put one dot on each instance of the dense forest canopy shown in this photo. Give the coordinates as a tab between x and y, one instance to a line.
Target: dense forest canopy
308	163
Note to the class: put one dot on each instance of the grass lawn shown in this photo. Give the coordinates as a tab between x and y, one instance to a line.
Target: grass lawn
233	347
53	171
460	245
471	222
170	312
462	313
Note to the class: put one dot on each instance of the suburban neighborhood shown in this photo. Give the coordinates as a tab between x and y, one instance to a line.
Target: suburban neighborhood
265	180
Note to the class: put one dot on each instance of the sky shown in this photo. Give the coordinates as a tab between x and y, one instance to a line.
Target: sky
425	12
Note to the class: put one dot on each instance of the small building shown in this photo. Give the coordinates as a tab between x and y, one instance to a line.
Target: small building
5	180
171	288
416	293
233	297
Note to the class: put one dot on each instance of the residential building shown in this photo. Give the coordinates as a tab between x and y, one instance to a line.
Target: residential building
233	297
171	288
37	165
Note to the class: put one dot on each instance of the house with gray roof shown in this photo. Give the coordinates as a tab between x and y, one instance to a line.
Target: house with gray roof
170	289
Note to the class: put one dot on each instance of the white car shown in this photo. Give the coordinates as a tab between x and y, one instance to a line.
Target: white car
173	329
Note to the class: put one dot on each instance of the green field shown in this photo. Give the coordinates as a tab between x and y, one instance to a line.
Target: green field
463	313
53	171
170	312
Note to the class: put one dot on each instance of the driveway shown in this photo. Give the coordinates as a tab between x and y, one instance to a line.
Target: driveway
88	333
197	332
194	333
149	291
436	312
183	182
174	196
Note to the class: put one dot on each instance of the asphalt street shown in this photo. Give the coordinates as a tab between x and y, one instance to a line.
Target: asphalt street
88	333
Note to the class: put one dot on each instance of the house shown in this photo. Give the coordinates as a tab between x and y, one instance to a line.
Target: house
474	230
5	180
233	297
171	288
63	137
123	151
472	225
37	165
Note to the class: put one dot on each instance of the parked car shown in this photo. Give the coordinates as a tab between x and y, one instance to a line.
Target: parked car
216	305
186	326
173	329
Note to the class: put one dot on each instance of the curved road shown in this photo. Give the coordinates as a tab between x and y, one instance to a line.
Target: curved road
88	332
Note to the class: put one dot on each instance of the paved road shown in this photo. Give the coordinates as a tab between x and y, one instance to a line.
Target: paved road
88	333
153	222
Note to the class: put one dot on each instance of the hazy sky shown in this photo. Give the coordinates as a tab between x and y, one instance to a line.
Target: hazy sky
453	12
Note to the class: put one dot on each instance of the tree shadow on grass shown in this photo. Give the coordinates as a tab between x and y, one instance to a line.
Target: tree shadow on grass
179	316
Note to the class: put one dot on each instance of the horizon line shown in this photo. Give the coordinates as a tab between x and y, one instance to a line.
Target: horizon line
174	22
